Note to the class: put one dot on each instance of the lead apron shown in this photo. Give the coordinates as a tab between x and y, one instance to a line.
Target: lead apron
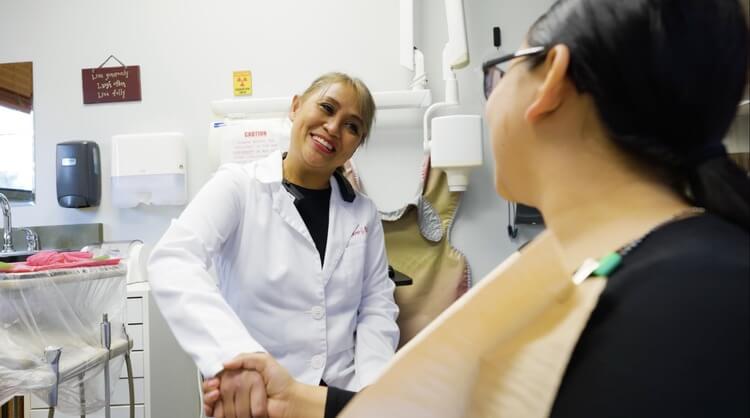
417	244
499	351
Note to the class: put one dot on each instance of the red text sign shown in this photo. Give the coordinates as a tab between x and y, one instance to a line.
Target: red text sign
111	84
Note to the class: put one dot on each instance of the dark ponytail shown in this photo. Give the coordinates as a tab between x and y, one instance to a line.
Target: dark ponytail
721	187
666	77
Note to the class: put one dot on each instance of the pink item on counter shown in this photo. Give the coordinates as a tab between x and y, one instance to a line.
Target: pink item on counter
46	258
53	260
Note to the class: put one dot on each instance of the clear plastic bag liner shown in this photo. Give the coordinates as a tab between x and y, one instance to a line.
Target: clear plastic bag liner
61	308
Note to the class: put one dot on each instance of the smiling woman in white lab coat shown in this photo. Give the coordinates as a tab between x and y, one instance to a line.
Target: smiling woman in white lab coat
300	256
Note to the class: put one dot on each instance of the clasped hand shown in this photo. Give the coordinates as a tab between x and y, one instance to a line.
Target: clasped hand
251	386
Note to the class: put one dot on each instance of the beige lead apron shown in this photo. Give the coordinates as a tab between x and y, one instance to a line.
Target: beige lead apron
500	351
417	244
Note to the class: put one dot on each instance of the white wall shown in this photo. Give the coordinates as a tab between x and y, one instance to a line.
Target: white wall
187	52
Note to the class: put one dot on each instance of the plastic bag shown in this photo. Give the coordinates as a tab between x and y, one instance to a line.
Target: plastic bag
61	308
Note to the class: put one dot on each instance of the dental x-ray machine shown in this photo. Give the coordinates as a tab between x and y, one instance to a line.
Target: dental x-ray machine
454	141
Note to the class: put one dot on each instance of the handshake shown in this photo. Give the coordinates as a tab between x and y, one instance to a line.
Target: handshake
255	385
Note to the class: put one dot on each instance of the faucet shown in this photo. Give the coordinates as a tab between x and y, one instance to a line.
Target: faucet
7	225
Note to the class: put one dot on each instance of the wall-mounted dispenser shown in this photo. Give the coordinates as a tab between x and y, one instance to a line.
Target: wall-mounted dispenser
78	174
456	147
149	169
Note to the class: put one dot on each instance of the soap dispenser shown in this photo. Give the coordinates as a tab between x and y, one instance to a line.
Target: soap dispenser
78	174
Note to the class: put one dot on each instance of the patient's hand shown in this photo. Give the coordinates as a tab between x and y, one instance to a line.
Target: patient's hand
286	396
277	380
211	396
235	394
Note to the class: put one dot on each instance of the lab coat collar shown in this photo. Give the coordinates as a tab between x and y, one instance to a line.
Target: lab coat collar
270	170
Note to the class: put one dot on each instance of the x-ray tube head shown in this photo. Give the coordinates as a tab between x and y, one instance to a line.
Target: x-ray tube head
456	52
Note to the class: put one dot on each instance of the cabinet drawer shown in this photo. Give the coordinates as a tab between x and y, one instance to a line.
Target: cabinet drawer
117	412
135	311
121	396
136	357
136	333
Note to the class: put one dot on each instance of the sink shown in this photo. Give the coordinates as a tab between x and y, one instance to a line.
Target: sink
14	256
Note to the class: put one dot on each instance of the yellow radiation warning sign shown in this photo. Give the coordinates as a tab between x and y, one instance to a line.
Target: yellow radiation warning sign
243	83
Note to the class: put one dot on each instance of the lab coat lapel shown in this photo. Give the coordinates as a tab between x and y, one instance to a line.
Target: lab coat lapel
342	223
283	204
270	172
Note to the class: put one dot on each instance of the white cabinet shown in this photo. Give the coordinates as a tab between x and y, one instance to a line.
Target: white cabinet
165	379
170	383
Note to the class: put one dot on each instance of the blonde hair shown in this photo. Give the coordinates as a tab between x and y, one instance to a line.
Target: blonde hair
366	104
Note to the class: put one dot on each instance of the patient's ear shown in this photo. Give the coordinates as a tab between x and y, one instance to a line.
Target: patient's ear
294	108
550	93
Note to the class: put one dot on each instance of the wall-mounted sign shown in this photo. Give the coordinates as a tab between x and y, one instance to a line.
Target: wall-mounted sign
111	84
243	83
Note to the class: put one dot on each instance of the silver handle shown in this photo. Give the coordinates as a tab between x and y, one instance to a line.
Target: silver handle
7	224
106	336
32	239
52	357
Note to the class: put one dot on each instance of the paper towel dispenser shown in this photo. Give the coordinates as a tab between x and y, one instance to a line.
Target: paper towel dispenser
78	174
149	169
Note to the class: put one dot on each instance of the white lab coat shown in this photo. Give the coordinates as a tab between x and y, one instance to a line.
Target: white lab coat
336	323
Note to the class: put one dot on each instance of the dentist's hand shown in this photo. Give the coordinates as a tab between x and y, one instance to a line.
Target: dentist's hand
235	394
287	398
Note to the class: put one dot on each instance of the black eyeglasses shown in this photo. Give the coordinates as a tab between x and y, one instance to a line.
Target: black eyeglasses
495	69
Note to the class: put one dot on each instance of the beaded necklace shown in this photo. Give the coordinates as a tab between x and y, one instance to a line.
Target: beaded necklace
607	265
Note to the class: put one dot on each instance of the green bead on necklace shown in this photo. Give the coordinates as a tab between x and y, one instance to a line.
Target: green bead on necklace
608	264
